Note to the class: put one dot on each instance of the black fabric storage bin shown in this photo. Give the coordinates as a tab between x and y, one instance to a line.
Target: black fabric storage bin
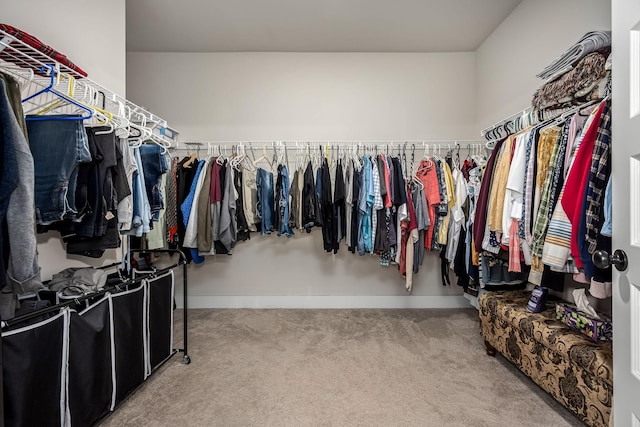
129	324
91	371
160	297
34	369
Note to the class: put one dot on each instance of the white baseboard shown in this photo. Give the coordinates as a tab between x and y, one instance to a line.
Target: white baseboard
324	301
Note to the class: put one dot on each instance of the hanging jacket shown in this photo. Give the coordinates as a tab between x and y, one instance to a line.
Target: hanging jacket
328	217
243	226
355	182
308	199
228	224
339	204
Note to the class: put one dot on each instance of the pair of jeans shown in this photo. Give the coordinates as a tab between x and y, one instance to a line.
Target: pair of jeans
264	185
155	165
58	147
283	204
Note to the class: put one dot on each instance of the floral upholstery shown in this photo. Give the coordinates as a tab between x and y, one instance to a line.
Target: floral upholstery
576	371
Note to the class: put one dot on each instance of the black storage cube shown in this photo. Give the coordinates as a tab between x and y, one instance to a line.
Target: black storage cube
91	368
34	369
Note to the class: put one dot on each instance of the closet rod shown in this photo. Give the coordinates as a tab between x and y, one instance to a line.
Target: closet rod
506	120
315	142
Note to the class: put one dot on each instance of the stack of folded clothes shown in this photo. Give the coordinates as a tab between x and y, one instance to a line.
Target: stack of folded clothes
581	74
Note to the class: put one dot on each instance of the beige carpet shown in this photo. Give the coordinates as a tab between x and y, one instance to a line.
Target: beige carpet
338	368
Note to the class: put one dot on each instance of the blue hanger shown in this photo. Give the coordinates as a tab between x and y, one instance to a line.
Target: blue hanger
49	88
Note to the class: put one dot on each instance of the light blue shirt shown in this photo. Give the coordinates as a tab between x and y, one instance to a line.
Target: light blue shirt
606	226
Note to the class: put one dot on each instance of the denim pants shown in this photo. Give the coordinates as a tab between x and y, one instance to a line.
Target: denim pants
265	208
155	165
283	205
58	147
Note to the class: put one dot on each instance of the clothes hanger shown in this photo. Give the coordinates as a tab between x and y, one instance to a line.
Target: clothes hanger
49	89
264	158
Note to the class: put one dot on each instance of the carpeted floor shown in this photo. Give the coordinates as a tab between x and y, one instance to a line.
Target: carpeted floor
338	368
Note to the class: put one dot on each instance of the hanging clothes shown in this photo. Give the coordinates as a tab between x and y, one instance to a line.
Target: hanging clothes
243	232
228	224
356	220
309	199
265	206
326	199
428	175
339	205
186	208
23	269
283	203
203	228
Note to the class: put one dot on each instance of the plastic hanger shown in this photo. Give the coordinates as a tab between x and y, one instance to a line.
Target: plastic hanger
49	89
263	158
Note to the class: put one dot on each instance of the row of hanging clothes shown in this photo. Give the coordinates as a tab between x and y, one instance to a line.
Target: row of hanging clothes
71	166
365	196
544	206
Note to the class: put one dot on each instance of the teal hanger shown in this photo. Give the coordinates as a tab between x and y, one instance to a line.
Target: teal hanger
50	89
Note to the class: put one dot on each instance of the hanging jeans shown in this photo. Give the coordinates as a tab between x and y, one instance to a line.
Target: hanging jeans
283	204
265	208
155	165
58	147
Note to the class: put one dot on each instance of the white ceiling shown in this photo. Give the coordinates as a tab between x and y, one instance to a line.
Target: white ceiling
312	25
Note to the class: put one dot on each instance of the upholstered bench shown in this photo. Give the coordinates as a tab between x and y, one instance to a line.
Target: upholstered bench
576	371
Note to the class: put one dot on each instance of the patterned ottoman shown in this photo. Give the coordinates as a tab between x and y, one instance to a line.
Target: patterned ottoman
577	372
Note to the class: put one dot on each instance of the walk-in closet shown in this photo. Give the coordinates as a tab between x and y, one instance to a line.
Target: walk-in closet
297	213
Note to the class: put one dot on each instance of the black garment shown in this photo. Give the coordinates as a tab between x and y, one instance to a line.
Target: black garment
243	226
339	203
295	202
100	191
120	182
277	196
319	182
184	178
382	233
399	192
459	265
444	266
354	212
94	247
552	279
328	216
308	199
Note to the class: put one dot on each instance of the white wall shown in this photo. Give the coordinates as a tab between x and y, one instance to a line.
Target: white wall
92	35
299	96
530	38
307	96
